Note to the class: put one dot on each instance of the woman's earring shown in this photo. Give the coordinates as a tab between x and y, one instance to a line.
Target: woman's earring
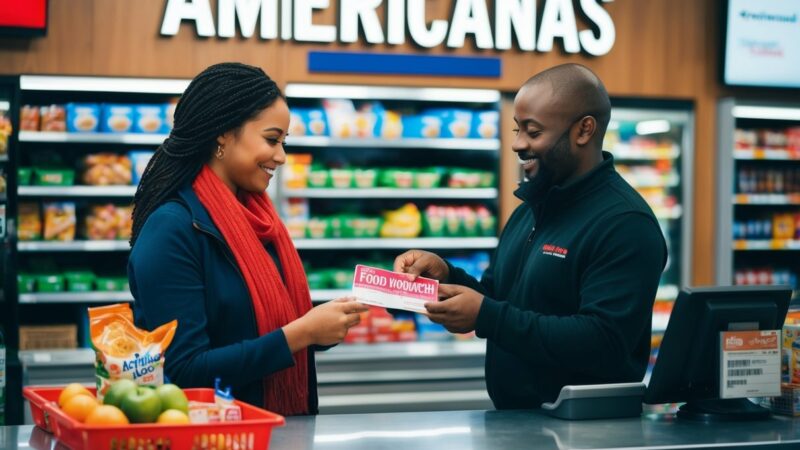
220	152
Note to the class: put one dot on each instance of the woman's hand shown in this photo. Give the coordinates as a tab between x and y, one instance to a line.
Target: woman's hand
324	325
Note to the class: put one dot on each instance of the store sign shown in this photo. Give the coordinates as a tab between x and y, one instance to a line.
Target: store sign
406	21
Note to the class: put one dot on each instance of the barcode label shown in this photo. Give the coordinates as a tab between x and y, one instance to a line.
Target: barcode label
732	383
745	372
738	363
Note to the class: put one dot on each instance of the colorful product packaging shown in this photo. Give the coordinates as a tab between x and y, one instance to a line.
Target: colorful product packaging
83	117
59	221
124	351
150	119
117	118
139	160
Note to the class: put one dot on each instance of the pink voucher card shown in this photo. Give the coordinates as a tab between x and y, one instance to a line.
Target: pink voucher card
378	287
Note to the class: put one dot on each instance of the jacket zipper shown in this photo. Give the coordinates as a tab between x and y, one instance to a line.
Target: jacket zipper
225	251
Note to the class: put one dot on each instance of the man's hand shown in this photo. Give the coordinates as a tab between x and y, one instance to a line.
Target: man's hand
458	309
415	263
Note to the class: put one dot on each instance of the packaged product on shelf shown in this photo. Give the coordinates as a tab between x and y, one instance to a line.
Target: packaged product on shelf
456	123
389	125
26	283
30	222
318	177
360	334
341	225
453	222
772	138
5	131
83	117
79	280
381	325
295	214
397	178
53	118
365	178
405	222
464	178
366	119
111	284
793	138
29	118
341	116
117	118
295	171
341	178
44	176
125	225
139	160
745	138
790	364
341	278
105	169
35	337
487	179
150	119
307	122
783	226
434	221
59	221
318	279
169	114
365	227
404	328
487	222
469	221
318	228
124	351
422	126
51	282
108	222
427	179
485	125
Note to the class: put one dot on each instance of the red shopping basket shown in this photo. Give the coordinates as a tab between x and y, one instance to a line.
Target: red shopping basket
251	433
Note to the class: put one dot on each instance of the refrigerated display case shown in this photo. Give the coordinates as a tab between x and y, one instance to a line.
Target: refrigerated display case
758	198
652	143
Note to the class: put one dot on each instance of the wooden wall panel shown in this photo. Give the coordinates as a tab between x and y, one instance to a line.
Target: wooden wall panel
663	49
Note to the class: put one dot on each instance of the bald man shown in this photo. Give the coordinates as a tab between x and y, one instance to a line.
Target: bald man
568	296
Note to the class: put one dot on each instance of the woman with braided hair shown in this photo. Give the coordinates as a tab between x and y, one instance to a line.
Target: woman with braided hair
210	250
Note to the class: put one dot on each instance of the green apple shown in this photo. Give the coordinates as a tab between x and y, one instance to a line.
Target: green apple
172	397
141	405
118	391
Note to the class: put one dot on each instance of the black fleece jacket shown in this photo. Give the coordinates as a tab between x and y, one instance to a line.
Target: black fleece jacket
570	289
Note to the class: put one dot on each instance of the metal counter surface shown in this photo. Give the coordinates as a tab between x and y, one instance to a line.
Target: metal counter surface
496	430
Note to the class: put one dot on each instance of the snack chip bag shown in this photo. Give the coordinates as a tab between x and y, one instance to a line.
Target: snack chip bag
124	351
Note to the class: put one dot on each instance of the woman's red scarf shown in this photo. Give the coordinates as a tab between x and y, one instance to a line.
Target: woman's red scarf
247	224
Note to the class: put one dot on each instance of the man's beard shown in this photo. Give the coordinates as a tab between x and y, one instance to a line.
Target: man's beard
545	177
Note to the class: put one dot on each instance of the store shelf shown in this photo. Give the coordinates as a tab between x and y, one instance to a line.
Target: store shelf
624	152
770	154
439	193
765	112
766	199
84	357
77	191
667	292
76	297
434	144
449	95
656	183
323	295
103	84
398	244
402	350
773	244
672	213
91	138
73	246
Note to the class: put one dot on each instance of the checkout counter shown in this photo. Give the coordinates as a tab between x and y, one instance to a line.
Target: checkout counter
494	430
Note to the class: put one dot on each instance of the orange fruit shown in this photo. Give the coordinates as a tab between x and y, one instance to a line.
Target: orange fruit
107	415
70	391
80	406
173	417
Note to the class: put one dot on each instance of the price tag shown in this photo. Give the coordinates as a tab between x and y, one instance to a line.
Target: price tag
750	364
388	289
